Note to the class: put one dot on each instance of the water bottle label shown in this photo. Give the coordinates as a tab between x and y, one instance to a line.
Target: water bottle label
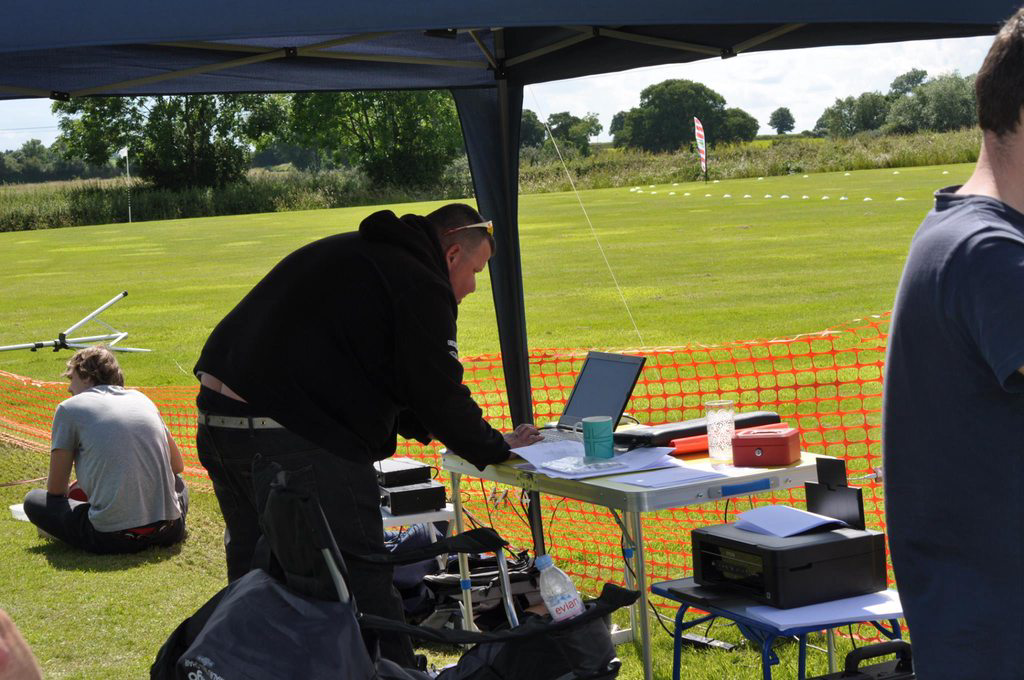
565	606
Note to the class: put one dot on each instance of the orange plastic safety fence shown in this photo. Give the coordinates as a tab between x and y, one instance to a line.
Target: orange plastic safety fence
827	384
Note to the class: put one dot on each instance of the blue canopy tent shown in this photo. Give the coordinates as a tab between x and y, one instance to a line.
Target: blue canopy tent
484	52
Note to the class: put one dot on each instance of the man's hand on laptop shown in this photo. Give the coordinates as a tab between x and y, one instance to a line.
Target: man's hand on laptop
523	435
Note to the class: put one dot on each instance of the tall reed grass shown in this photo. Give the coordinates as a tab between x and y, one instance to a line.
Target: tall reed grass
63	204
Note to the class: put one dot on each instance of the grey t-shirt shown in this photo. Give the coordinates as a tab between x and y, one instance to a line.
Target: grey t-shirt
122	457
953	431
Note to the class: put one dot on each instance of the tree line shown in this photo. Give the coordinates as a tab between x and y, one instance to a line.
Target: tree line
914	103
409	138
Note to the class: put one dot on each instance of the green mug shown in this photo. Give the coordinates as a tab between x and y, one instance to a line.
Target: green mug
598	441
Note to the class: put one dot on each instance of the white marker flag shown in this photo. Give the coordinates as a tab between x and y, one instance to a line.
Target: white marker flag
699	131
123	152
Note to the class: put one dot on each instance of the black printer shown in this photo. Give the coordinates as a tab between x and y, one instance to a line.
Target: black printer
792	571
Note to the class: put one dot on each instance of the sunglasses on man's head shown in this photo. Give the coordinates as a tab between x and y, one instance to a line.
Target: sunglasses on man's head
488	225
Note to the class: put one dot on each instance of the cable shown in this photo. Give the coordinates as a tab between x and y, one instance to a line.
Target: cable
593	231
650	605
487	504
515	511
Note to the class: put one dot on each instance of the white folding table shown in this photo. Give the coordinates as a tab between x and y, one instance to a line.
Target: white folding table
616	493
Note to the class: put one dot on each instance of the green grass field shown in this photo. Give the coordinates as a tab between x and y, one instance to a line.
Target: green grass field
692	268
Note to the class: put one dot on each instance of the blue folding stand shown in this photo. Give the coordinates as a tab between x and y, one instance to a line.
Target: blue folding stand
735	608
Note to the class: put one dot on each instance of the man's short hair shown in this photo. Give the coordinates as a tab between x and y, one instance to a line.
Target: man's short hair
999	85
97	365
448	218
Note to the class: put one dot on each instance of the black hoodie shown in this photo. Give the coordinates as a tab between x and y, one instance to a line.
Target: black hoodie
351	340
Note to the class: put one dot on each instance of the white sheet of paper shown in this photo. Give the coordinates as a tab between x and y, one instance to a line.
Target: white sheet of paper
541	454
672	476
878	606
782	520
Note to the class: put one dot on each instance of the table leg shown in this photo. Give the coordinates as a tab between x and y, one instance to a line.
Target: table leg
766	656
465	583
830	639
628	555
801	672
635	521
536	523
677	635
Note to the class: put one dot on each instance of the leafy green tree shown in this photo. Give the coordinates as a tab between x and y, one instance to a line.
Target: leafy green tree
944	103
95	128
405	137
177	141
193	141
782	120
34	161
574	131
905	83
869	111
949	102
531	130
618	122
664	119
739	126
838	120
906	115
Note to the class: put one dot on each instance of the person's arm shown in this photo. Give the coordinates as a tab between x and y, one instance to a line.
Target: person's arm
16	659
61	461
177	462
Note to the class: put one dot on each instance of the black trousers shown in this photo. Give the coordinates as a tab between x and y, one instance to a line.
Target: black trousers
68	521
349	497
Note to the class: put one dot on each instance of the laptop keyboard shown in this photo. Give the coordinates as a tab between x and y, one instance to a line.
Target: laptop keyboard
556	435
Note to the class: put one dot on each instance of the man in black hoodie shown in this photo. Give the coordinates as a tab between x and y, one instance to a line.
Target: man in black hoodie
347	343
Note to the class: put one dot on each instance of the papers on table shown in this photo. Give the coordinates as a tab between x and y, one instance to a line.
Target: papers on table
783	520
680	474
565	460
878	606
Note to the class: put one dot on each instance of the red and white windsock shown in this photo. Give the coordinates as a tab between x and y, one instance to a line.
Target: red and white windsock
699	132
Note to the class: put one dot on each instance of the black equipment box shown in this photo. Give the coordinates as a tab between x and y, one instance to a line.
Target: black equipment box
401	471
661	434
792	571
900	669
412	498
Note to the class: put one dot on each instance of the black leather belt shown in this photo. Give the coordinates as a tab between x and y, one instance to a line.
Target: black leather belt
239	422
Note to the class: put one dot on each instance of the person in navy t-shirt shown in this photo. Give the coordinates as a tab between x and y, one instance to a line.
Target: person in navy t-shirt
953	414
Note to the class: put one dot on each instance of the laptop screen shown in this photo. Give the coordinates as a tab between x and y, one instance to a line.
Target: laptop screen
602	388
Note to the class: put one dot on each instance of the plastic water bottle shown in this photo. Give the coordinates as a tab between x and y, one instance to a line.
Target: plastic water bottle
557	590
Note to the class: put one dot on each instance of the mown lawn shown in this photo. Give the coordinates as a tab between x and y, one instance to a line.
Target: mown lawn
691	268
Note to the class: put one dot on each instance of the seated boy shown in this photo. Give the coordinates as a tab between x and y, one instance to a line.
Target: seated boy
129	496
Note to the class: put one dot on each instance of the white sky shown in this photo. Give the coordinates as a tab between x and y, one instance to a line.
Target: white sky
805	81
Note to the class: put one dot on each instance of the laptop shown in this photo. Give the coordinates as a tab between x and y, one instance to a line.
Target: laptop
602	388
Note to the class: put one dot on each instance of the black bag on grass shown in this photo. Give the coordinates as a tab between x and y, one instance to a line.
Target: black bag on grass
261	629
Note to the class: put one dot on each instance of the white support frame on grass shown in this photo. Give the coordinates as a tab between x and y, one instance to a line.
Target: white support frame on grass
64	342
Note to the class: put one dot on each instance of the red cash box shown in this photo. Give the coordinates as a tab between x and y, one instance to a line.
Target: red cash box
766	447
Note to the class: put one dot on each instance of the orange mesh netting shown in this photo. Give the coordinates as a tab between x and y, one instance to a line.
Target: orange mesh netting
827	384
